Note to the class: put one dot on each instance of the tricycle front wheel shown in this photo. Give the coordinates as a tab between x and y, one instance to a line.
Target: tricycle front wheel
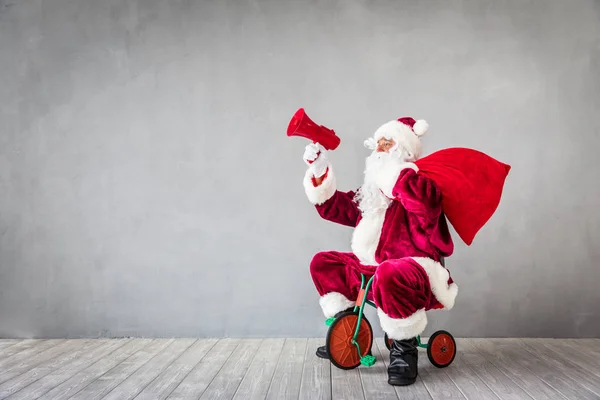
342	352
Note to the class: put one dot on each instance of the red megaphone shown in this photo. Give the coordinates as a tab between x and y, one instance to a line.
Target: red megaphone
301	125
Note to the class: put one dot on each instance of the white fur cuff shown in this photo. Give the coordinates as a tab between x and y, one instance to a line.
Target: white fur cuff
333	302
403	328
319	194
386	179
438	280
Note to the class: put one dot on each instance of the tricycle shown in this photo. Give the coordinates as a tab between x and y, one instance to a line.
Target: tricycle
350	337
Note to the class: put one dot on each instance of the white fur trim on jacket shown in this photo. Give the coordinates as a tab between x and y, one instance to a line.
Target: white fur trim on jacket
366	235
319	194
403	328
438	280
386	180
334	302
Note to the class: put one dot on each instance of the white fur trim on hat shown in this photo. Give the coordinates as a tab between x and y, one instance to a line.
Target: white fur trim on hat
395	130
403	328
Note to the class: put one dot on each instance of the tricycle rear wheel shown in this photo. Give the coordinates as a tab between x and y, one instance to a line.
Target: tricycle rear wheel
441	349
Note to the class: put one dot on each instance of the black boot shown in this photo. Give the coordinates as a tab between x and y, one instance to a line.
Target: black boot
404	356
322	352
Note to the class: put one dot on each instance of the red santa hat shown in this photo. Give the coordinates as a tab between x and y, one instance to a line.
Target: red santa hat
406	132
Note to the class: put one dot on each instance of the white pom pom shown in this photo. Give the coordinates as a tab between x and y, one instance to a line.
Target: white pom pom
420	127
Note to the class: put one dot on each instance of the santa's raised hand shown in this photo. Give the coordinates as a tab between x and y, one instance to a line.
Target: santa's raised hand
315	156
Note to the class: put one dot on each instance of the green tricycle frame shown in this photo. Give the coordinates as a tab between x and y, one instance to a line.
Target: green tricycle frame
350	337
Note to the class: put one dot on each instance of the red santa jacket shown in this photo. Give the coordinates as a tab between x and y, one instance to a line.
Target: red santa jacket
413	225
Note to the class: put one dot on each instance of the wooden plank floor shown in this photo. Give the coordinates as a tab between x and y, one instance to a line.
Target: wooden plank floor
288	369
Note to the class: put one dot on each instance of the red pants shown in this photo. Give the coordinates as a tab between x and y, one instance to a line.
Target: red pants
403	289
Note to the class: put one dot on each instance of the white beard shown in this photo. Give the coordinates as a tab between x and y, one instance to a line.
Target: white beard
369	197
373	204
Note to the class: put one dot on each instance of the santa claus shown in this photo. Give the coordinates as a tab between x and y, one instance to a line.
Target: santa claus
400	236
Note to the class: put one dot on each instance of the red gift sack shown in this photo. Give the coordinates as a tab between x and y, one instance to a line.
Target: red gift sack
471	183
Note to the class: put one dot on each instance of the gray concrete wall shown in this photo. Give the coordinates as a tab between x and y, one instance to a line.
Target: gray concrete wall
147	186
